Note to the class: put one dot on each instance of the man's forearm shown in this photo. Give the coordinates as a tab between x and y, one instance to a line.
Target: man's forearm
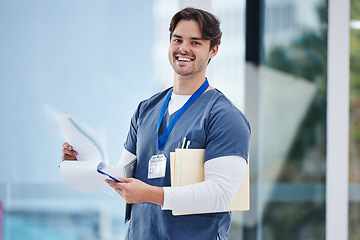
155	195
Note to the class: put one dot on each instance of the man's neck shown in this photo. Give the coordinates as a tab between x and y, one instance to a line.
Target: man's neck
187	85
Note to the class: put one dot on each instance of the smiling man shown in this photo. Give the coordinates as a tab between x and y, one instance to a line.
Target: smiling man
189	52
191	109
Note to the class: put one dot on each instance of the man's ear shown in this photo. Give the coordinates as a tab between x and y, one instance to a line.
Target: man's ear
213	51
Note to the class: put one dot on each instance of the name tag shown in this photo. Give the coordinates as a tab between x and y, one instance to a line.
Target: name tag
157	166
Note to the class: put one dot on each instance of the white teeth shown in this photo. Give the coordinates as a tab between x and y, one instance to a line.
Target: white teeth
184	59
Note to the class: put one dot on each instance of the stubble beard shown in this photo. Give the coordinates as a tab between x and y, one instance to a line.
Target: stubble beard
187	72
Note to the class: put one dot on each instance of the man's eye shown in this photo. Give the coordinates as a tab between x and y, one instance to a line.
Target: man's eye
196	43
177	40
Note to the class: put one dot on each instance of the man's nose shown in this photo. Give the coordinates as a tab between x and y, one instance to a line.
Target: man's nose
184	48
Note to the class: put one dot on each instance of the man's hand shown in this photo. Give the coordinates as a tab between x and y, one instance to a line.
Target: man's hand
136	191
68	153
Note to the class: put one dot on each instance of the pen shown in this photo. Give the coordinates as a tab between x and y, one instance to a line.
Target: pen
116	180
187	144
184	143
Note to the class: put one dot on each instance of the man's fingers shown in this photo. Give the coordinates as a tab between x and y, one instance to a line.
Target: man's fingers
66	145
113	183
124	180
68	157
69	152
120	188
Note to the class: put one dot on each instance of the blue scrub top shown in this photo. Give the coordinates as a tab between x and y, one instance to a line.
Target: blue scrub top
212	123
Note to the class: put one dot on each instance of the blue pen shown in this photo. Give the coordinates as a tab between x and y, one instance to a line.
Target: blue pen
116	180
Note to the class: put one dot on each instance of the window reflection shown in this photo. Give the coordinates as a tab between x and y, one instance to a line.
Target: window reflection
291	150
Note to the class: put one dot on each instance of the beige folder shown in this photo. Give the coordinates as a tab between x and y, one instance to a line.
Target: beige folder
187	167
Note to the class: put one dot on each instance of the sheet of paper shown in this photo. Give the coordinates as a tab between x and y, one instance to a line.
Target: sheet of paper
88	147
82	175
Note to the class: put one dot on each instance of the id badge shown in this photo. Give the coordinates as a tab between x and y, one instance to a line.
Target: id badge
157	166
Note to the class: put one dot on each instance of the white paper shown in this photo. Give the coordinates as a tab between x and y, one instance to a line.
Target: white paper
87	146
82	175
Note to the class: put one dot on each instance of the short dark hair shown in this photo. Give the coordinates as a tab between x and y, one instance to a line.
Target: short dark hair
209	24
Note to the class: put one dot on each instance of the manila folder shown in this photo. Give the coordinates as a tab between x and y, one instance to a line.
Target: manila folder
187	167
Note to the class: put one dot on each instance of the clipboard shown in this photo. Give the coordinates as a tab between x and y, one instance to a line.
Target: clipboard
129	172
187	167
130	168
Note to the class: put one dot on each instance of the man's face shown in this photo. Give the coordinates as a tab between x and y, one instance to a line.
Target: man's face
189	53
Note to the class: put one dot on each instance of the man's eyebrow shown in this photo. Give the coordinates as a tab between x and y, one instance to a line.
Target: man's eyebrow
193	38
198	39
176	36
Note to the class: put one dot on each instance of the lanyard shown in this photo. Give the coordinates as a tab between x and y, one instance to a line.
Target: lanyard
161	141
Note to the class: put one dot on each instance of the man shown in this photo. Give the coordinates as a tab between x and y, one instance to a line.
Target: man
202	114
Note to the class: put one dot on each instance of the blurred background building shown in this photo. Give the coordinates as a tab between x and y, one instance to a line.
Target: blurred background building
98	59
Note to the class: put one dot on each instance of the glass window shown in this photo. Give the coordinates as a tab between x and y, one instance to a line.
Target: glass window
75	57
289	85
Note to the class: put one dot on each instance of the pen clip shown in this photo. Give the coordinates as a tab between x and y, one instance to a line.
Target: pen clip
183	145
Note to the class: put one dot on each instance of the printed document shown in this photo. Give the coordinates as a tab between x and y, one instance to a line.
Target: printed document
82	175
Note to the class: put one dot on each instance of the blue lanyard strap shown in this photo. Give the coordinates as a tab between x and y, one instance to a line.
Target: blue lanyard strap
161	141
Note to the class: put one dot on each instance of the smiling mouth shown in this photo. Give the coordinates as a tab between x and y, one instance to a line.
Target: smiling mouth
184	58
